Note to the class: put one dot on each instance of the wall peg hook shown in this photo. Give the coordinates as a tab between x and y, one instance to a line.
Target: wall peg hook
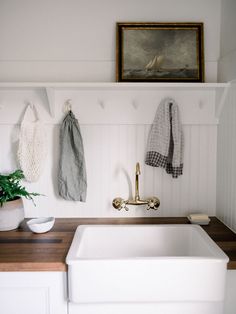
29	104
201	104
135	104
67	105
101	104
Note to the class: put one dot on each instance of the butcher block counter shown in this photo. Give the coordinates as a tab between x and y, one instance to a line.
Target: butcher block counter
22	250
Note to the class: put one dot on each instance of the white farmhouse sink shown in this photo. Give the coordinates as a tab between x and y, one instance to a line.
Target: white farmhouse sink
131	264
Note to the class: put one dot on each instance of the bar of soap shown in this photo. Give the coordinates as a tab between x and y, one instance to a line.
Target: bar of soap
198	217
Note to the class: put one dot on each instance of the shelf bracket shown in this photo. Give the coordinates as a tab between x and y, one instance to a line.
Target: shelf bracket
222	100
51	100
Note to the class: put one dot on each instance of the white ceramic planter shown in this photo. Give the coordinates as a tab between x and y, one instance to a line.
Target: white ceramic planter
11	215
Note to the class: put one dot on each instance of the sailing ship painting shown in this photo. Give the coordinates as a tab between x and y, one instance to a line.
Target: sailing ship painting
153	53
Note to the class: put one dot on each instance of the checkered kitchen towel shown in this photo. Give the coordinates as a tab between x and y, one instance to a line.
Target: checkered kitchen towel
165	142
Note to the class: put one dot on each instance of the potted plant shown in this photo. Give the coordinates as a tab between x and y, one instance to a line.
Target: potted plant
11	204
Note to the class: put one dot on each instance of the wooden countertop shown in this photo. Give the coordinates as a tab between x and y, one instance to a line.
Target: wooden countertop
22	250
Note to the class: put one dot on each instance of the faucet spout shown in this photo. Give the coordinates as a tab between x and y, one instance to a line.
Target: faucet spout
138	168
138	172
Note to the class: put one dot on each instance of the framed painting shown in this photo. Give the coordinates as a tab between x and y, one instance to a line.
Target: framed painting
159	52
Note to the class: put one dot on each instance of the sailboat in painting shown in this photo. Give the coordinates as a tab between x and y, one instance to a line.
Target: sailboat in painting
154	64
156	69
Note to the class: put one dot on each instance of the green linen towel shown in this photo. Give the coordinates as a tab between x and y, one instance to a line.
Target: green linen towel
72	178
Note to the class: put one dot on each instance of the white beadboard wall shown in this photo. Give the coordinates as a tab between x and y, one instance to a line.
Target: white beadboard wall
226	166
227	59
115	126
75	40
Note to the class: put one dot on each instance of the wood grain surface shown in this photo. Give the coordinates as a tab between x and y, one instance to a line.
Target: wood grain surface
22	250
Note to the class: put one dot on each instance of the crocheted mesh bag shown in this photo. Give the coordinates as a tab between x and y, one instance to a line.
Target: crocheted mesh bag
32	149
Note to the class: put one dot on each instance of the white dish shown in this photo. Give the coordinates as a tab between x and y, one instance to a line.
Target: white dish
41	225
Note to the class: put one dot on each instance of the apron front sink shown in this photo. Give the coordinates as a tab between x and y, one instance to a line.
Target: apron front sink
145	263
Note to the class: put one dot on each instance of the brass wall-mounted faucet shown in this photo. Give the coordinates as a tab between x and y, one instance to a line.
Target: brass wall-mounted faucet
152	203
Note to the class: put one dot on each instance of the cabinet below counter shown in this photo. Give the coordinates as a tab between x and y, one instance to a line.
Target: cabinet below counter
33	292
22	250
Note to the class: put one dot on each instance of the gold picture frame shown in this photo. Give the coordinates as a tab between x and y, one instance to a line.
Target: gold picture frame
159	52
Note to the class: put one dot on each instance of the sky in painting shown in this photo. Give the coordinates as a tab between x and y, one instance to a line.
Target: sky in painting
178	47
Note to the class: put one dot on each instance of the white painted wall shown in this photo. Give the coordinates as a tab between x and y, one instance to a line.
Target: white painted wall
115	139
74	40
226	156
227	62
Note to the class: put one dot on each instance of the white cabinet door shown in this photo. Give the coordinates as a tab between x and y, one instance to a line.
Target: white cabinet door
33	293
230	300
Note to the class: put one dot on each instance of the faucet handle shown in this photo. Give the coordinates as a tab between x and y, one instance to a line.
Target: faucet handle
126	208
153	203
118	203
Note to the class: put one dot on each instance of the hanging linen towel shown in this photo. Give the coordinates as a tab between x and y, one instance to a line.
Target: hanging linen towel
165	142
72	179
32	150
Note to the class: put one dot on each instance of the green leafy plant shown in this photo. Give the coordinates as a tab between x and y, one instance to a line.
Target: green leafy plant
11	189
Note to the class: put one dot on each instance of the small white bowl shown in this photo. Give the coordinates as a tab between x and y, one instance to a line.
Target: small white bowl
41	225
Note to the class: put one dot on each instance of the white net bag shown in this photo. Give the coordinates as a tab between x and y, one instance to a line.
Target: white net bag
32	149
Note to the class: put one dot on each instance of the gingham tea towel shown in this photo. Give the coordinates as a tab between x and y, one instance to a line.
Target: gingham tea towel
165	142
